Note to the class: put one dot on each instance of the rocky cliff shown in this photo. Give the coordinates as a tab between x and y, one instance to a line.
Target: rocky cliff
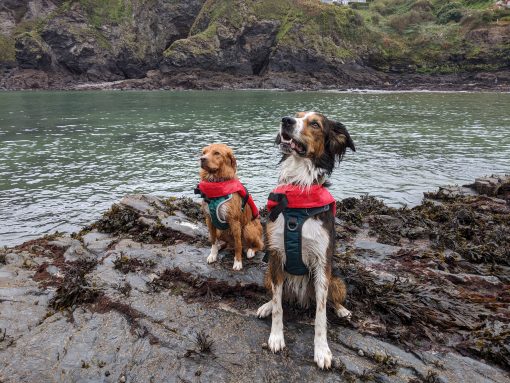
132	299
292	44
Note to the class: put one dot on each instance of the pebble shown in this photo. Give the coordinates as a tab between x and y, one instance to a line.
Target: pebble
361	353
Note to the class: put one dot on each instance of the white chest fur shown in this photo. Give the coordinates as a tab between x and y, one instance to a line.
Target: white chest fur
315	242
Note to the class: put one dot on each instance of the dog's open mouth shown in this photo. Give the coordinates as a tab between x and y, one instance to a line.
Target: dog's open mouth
289	144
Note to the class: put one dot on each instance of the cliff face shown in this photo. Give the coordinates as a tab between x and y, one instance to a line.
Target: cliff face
101	40
262	43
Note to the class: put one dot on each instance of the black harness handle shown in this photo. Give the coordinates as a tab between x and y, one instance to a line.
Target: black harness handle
282	201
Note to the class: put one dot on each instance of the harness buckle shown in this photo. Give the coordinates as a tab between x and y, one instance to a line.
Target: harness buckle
292	223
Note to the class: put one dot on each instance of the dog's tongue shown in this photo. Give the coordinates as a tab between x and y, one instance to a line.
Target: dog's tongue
293	145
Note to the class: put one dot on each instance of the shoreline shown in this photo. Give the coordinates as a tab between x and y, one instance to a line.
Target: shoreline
91	87
380	82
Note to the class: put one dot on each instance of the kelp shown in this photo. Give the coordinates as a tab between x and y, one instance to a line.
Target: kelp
450	276
122	220
75	289
130	265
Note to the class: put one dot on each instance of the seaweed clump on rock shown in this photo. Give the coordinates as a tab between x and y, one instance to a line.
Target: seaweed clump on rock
145	219
75	289
434	274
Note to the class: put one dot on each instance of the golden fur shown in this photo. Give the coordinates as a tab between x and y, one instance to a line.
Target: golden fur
218	163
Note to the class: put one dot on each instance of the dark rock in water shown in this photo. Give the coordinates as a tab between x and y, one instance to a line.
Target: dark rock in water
135	286
493	186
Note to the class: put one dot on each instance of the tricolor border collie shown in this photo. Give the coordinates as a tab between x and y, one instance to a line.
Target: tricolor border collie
300	232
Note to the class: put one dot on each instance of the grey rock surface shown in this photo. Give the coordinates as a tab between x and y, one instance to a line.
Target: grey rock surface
157	293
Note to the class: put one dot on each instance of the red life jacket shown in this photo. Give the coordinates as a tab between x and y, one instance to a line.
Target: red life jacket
220	189
299	197
297	204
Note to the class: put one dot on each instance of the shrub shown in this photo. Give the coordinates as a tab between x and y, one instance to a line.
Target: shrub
451	15
401	22
449	12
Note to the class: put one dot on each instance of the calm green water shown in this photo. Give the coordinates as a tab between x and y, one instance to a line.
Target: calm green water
66	156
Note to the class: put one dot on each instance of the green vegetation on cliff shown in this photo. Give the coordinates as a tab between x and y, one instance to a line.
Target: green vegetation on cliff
428	36
249	37
7	51
436	36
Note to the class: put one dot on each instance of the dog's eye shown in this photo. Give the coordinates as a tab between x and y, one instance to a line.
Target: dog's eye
216	153
315	124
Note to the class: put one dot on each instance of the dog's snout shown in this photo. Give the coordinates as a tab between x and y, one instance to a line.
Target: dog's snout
288	121
203	159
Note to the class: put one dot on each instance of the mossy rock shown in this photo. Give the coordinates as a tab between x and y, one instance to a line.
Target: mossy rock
7	49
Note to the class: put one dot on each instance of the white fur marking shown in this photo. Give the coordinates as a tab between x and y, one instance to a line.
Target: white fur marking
322	356
316	241
250	253
300	122
342	312
276	341
238	265
265	309
299	171
213	256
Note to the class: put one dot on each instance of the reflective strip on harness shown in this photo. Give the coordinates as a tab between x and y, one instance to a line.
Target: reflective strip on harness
214	205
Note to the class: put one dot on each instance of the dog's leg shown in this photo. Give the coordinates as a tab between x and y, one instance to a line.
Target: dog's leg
252	236
213	255
276	341
337	292
322	353
267	307
235	228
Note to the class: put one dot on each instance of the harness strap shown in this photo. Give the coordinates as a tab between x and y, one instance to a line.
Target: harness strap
282	201
245	198
202	195
294	220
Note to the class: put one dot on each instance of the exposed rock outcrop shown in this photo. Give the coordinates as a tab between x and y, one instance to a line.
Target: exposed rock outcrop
131	298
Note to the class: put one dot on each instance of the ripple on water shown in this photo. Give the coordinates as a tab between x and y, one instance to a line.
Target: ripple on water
68	156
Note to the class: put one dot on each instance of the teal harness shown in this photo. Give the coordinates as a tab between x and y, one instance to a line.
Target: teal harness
214	205
295	218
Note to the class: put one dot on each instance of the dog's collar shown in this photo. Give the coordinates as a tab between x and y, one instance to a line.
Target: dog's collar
217	179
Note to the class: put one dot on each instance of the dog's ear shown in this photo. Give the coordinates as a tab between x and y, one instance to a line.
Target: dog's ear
278	139
232	159
339	139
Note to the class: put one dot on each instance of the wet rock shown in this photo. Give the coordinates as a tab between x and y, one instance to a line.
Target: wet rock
138	305
145	205
184	226
77	252
97	242
493	186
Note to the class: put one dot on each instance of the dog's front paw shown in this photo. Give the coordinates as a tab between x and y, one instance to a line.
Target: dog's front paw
342	312
212	258
265	310
322	356
276	342
250	253
238	265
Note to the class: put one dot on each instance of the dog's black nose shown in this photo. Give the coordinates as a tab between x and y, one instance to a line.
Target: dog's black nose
287	121
203	160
